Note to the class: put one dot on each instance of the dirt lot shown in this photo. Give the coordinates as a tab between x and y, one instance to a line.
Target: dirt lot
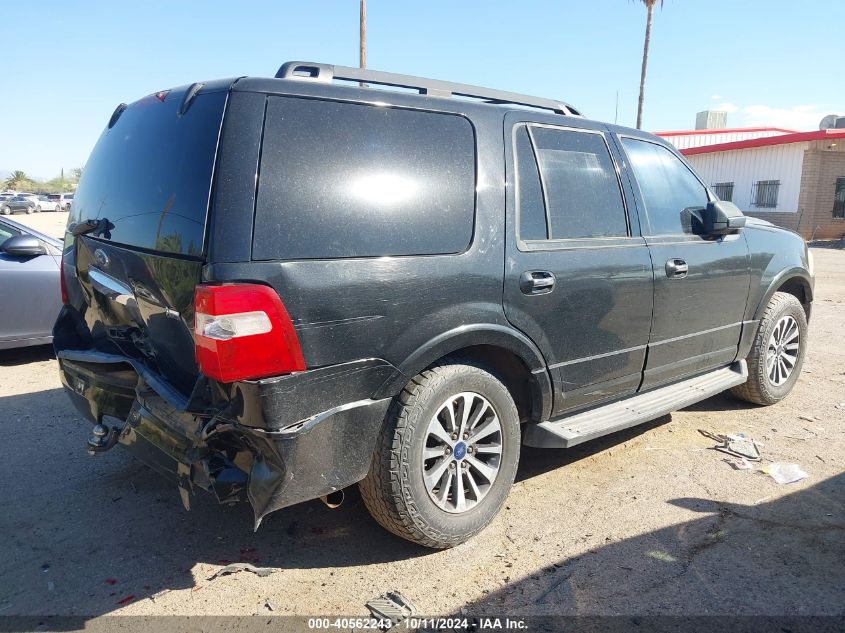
648	521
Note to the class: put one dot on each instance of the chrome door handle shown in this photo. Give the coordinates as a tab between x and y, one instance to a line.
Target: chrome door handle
536	282
676	268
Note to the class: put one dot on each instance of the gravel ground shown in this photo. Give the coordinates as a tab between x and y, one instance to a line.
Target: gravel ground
647	521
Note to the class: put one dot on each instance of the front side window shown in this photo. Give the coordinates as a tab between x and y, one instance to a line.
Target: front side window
839	199
7	232
673	196
354	180
582	190
765	194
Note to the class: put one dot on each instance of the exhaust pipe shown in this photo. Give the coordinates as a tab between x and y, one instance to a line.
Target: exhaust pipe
333	499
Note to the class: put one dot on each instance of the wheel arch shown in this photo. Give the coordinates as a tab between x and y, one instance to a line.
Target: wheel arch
794	281
509	353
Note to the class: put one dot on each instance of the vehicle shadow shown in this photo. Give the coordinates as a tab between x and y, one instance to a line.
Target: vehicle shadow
780	558
537	461
25	355
722	402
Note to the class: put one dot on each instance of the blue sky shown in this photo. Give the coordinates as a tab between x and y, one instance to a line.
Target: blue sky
773	62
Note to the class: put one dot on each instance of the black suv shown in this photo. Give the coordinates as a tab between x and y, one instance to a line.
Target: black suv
277	288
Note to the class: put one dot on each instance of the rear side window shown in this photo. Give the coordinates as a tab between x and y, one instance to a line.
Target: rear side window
532	209
351	180
582	189
673	196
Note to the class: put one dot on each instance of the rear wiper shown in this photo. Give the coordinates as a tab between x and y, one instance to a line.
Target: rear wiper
97	227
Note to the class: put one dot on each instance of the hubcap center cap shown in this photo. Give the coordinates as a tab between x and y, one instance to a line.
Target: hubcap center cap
460	451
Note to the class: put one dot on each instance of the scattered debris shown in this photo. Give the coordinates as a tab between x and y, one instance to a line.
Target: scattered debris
126	600
236	567
270	605
393	606
735	445
784	473
159	594
663	556
739	463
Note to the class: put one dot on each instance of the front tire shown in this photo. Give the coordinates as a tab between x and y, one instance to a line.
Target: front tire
446	456
5	211
777	354
29	210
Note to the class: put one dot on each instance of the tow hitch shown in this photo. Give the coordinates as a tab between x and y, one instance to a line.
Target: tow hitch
102	438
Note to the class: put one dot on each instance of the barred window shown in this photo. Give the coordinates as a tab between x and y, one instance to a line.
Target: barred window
839	199
765	194
724	191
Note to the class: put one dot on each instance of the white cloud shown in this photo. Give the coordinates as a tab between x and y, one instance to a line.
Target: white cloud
798	117
716	97
727	107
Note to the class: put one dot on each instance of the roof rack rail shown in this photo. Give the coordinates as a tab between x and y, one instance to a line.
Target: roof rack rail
326	73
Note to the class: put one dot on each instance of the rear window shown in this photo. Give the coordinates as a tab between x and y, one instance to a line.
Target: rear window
351	180
150	174
53	196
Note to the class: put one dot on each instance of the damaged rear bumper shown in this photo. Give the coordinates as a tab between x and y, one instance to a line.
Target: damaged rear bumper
276	442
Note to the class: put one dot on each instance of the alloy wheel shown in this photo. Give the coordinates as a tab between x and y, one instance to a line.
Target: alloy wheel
782	351
462	452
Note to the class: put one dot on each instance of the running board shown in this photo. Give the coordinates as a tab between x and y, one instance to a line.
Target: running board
572	430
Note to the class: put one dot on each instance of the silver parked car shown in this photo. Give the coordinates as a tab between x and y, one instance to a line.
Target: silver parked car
30	292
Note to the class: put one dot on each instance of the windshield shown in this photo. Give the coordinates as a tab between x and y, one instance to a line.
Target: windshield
150	174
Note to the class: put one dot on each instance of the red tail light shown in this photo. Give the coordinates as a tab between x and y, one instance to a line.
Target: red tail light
242	331
62	283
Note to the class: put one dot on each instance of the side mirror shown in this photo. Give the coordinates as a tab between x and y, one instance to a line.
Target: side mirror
722	218
23	246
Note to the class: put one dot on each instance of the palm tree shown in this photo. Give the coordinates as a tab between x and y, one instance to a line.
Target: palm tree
649	5
18	180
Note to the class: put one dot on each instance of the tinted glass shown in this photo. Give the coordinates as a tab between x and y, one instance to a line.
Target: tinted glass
6	232
349	180
150	174
532	210
673	196
581	184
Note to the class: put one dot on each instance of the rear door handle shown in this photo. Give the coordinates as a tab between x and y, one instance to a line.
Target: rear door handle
676	268
536	282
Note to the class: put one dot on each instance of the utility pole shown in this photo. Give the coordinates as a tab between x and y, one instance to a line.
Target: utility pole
363	35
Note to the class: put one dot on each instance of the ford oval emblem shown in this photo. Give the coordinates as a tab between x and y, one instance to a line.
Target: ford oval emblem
101	258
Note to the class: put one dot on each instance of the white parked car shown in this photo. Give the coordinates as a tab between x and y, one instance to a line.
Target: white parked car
62	199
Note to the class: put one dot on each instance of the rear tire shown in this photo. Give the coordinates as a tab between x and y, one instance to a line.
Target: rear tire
420	460
29	210
5	211
776	357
